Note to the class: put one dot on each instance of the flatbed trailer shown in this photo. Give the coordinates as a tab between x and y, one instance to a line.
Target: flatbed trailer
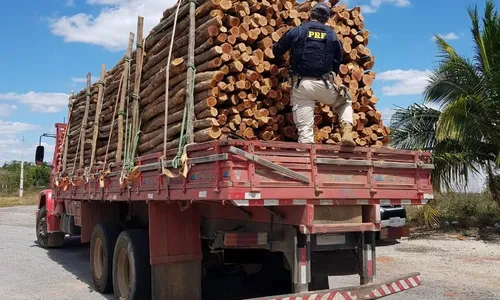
276	218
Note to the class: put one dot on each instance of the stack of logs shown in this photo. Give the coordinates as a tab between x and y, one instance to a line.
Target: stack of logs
239	84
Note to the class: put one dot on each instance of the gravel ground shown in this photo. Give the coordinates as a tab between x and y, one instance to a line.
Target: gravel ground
451	267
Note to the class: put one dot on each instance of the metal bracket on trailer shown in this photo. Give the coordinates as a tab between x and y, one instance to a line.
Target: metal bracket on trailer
365	292
258	160
377	164
195	160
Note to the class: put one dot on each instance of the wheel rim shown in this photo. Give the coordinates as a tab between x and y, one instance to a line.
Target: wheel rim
42	229
98	258
123	272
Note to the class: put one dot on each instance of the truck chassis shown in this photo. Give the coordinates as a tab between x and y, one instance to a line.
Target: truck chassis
285	216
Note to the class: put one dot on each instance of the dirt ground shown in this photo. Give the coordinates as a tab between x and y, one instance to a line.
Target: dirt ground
451	266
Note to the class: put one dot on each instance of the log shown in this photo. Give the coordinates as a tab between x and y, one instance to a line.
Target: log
246	95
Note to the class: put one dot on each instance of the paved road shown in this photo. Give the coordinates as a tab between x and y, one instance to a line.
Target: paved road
24	265
451	268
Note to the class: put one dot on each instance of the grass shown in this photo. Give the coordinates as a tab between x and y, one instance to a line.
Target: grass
29	198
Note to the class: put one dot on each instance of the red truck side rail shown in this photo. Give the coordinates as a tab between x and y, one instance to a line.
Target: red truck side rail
255	173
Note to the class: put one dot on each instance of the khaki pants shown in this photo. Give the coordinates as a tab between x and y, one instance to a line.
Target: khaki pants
304	99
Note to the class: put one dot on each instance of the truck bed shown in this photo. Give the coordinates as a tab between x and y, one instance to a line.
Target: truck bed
256	173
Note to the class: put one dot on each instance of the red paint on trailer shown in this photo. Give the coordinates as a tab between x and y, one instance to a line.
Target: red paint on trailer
174	235
293	215
236	178
391	233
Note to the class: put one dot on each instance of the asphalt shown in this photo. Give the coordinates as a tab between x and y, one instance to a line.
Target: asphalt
451	267
30	272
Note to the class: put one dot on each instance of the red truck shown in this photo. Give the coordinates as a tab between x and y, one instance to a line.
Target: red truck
250	219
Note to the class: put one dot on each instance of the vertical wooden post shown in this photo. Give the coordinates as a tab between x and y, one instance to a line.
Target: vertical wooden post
84	122
191	72
139	57
100	99
66	132
125	86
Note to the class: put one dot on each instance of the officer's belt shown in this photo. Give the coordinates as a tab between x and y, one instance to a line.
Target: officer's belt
298	79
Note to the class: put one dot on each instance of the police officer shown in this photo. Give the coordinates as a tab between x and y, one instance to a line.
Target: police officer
316	54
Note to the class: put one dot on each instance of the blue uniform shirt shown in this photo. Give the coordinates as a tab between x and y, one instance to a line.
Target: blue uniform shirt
315	49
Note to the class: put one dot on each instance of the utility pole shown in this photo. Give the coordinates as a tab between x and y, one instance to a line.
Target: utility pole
21	181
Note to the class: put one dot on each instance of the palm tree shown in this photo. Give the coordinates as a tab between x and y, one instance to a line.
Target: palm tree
463	131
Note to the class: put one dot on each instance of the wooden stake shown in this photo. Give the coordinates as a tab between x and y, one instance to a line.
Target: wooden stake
121	111
225	5
100	99
139	58
66	132
84	121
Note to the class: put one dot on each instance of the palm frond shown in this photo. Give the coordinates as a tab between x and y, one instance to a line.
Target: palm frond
414	127
464	133
456	77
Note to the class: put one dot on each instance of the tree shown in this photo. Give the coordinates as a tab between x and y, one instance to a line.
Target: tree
464	132
34	176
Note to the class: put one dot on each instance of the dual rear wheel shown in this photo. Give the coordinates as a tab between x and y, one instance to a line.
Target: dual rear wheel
119	261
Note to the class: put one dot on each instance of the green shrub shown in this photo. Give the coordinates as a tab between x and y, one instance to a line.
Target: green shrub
463	210
426	215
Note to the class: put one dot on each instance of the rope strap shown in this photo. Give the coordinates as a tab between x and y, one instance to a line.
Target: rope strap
139	45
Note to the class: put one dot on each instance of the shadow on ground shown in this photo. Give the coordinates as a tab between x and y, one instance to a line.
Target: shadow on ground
74	257
385	243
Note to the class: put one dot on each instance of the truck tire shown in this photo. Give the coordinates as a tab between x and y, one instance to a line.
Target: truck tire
102	245
131	267
45	239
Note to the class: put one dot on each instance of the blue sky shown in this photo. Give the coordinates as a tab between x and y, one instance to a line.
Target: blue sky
50	45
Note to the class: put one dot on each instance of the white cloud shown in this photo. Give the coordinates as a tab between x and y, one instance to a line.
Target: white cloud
367	9
449	36
7	109
84	79
387	114
398	3
375	5
11	129
407	82
69	3
39	102
110	27
11	149
11	142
